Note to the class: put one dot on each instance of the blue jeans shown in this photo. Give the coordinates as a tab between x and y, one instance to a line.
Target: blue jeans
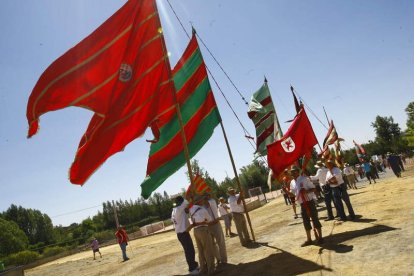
328	202
345	198
123	248
337	195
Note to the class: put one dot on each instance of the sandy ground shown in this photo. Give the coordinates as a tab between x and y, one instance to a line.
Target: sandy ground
379	242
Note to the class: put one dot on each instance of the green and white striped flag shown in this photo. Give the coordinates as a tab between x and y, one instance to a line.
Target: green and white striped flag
263	114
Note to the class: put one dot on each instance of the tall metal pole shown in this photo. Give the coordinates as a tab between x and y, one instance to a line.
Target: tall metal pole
237	179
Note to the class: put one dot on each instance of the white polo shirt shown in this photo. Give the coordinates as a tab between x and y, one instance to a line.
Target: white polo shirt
199	214
305	183
180	218
222	207
213	210
348	170
320	176
338	175
234	207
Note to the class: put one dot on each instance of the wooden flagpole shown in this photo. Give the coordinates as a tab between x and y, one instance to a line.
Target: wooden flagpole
178	111
237	179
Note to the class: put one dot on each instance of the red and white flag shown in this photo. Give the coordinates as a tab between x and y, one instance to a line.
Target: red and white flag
297	141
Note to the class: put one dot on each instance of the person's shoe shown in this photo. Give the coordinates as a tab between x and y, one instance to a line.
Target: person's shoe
127	259
195	271
328	219
320	241
351	217
342	219
295	216
306	243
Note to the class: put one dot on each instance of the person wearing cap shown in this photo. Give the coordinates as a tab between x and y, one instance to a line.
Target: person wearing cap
179	217
220	251
123	239
336	182
304	190
321	177
350	176
237	210
225	214
200	220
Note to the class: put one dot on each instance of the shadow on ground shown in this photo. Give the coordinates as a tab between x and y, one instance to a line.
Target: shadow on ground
280	263
335	242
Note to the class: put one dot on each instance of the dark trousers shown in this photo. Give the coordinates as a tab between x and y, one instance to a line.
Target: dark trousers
287	199
337	198
328	201
308	211
187	243
345	198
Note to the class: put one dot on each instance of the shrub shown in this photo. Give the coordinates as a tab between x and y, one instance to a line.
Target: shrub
52	251
22	258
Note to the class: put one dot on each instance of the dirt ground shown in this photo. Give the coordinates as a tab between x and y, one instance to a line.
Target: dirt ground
379	242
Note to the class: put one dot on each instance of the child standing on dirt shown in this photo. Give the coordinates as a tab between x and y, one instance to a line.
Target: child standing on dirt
95	247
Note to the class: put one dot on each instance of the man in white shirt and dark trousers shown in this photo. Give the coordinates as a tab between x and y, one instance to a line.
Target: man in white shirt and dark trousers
237	209
321	177
216	230
201	219
304	190
180	219
335	180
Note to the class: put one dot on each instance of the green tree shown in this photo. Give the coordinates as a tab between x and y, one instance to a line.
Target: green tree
410	114
37	226
12	238
388	135
254	175
409	133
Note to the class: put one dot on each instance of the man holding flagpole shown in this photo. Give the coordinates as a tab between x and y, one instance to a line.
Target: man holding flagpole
304	191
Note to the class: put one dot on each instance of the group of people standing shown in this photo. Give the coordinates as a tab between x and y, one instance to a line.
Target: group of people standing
205	216
303	190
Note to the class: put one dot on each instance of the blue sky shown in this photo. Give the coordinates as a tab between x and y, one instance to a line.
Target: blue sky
356	58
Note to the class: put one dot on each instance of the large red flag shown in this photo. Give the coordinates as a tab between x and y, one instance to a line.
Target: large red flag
121	73
297	141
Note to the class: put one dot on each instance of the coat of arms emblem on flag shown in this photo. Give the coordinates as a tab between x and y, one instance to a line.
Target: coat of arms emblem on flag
288	144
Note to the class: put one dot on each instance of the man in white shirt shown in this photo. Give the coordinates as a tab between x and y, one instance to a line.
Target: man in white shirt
201	219
336	182
237	209
216	230
304	190
320	176
350	176
179	218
